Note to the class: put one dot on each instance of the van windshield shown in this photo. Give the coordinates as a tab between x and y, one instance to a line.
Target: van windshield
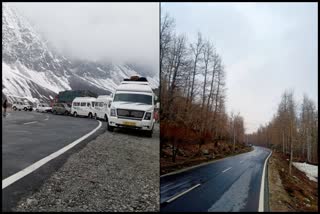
134	98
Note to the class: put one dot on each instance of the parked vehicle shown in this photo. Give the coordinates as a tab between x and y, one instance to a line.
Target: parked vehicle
43	107
83	106
18	105
61	108
102	107
133	106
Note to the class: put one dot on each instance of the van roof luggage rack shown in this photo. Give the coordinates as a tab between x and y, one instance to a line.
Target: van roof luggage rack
136	79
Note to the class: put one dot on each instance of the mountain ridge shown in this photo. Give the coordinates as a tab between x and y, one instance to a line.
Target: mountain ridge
31	68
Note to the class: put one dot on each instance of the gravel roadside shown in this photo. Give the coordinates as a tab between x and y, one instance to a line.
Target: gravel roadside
118	171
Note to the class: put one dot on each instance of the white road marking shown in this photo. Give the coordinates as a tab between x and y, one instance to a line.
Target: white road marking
226	169
17	176
182	193
47	118
30	122
174	185
261	199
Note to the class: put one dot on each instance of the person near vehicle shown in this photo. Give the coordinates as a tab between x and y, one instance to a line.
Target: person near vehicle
5	107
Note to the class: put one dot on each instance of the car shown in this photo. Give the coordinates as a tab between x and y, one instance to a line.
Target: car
133	106
61	108
83	106
43	107
102	107
18	105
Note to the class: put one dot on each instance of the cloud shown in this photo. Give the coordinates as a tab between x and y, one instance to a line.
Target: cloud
118	32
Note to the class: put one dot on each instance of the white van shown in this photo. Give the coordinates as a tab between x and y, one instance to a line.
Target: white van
133	106
83	106
102	106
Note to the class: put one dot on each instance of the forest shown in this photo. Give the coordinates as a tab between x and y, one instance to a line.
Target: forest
193	93
293	130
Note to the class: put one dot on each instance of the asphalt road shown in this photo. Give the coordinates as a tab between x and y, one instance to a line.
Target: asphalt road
27	137
230	184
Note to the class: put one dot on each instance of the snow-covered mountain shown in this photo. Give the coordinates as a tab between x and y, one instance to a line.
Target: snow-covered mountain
30	68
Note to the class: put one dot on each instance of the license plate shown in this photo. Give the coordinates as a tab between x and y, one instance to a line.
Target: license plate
129	123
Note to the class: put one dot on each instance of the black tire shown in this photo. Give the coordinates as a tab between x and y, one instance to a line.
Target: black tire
110	128
14	108
90	115
66	113
95	116
25	108
149	133
75	114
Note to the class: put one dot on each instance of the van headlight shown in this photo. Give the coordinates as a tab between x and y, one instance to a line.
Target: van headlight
113	112
147	116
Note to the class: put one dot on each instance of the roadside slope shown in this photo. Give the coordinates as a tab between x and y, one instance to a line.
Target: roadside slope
294	193
115	172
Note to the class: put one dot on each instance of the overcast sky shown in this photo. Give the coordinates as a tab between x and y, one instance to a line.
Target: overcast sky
113	31
266	48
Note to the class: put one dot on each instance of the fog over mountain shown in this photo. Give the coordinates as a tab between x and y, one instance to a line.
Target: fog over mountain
38	63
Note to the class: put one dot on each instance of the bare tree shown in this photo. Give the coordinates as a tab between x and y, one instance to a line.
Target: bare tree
196	50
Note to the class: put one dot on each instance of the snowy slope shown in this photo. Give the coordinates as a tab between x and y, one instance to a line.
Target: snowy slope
310	170
31	68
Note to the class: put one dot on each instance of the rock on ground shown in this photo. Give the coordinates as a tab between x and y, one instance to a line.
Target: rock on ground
118	171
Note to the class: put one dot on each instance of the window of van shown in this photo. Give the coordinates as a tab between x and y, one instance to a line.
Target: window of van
134	98
101	104
83	104
88	104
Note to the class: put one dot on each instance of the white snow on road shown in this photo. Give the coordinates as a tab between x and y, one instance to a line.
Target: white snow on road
310	170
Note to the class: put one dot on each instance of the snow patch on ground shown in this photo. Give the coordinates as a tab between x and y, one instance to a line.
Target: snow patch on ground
310	170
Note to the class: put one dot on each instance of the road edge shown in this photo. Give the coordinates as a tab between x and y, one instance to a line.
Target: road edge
22	173
261	198
199	165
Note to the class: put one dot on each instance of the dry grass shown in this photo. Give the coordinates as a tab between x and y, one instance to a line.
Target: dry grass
290	193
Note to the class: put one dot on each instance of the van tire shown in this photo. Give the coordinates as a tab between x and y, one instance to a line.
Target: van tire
90	115
75	114
149	133
110	128
25	108
14	108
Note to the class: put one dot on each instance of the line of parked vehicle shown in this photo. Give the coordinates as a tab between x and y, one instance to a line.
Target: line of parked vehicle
132	106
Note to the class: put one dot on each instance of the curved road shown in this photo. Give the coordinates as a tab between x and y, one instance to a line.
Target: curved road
230	184
28	137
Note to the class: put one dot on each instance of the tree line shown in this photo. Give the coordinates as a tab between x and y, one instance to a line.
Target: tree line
293	129
193	92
